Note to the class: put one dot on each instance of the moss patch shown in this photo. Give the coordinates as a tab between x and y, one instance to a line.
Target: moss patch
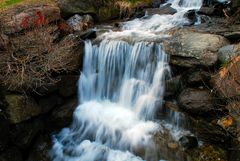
5	4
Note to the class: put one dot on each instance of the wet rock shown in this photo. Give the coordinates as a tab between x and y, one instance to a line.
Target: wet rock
198	78
191	16
4	134
40	149
24	133
62	116
226	81
68	85
157	3
191	49
80	23
188	142
206	11
89	34
226	53
196	101
28	17
21	108
11	154
167	9
139	14
172	86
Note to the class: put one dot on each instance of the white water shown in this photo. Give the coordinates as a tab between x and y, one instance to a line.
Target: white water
121	88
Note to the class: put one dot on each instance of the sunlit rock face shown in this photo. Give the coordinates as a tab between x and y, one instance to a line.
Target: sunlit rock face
121	89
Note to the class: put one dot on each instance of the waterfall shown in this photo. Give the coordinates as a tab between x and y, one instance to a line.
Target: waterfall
121	88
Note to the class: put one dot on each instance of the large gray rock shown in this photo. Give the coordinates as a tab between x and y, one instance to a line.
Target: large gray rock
80	23
196	101
21	108
227	52
191	49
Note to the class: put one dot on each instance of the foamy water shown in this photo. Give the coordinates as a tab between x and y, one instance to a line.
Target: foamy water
121	88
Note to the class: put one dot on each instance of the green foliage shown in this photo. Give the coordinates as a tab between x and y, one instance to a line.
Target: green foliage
9	3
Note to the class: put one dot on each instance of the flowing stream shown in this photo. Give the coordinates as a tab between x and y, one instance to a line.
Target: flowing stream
121	89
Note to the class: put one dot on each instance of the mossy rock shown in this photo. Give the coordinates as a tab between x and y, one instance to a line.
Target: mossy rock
21	108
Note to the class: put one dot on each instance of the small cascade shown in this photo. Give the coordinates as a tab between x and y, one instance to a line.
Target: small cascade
121	90
121	87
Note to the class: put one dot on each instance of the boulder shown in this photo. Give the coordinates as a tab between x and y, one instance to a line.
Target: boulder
62	116
226	81
80	23
191	49
226	53
27	17
40	149
11	154
21	108
191	15
206	11
188	142
167	9
100	9
23	134
157	3
196	101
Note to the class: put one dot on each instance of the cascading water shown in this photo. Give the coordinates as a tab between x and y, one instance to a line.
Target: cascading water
121	88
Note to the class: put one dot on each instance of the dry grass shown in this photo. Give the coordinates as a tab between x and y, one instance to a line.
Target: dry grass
31	58
128	7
